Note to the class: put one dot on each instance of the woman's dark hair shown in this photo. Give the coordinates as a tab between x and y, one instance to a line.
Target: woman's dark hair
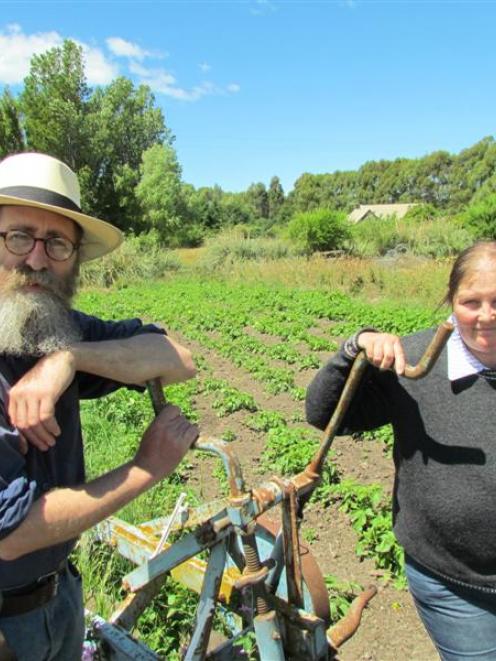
467	261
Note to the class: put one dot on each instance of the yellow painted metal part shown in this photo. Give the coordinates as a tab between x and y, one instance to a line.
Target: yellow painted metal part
191	573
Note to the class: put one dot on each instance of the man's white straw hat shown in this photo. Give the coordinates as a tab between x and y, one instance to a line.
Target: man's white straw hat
43	182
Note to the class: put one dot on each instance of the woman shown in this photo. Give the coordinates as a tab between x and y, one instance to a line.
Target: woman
444	503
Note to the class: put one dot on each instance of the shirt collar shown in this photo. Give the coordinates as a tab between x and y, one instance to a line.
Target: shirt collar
461	362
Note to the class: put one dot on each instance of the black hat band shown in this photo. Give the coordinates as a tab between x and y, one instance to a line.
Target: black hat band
41	195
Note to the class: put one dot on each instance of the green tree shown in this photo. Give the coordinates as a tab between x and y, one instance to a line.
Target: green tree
101	134
235	210
54	102
205	206
275	198
11	135
123	123
307	192
160	192
322	229
257	198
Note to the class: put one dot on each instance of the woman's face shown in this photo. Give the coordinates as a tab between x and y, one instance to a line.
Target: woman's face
474	306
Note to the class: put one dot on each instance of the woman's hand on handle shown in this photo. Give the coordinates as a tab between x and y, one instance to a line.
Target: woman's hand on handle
383	350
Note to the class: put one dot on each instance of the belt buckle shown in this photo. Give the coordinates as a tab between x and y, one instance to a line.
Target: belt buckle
52	579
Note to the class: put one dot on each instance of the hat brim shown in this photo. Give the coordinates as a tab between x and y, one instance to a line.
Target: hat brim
99	237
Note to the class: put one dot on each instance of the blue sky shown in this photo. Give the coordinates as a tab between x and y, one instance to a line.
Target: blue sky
258	88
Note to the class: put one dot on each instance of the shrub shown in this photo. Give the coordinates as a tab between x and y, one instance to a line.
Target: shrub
188	235
234	246
138	258
422	213
374	236
322	229
480	218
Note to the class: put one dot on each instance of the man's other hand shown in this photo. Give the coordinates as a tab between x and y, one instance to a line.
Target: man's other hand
165	443
32	400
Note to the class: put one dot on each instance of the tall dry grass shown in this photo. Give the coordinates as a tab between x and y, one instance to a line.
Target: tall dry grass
419	281
437	238
138	258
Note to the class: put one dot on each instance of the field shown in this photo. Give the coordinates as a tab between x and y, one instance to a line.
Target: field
257	346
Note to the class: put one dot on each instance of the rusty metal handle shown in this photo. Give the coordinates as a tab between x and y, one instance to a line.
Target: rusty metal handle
421	369
157	396
431	354
215	446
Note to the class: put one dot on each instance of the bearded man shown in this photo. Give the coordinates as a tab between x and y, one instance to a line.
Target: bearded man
51	357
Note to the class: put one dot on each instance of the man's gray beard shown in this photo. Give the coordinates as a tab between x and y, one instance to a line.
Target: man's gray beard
36	323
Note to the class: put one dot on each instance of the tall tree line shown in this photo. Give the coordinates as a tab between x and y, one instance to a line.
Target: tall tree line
447	181
116	139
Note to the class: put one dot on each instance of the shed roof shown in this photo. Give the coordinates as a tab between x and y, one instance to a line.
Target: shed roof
379	211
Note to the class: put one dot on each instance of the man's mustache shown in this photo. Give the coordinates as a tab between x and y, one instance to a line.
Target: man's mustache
25	276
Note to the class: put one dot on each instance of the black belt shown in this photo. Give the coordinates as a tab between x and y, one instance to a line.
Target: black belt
17	601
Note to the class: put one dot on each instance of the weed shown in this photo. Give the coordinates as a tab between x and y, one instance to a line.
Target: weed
227	399
371	517
309	535
265	420
384	435
341	594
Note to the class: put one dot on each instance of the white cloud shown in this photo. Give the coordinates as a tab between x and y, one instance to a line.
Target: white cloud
123	48
156	78
263	7
163	82
99	71
17	49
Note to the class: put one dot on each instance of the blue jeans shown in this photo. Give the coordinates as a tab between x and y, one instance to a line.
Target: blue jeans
461	622
52	632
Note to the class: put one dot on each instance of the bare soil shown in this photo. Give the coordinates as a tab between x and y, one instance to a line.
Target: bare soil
390	628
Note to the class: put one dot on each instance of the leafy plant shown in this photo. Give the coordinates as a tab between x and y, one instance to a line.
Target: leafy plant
309	535
322	229
265	420
384	434
481	218
341	594
371	517
227	399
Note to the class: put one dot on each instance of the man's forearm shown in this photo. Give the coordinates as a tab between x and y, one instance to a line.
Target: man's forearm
135	360
63	514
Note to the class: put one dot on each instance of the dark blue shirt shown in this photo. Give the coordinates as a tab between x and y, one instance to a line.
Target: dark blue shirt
24	478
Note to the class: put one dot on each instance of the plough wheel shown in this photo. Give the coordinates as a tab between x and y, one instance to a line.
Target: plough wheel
316	596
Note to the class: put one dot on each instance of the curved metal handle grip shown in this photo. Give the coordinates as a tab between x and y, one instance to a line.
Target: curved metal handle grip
431	354
208	444
157	396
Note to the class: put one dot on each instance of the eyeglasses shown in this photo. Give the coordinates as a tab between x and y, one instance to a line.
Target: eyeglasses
21	243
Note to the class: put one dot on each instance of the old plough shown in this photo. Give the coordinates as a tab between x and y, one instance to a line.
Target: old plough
257	572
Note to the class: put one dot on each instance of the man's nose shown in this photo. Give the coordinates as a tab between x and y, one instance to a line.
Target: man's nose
37	259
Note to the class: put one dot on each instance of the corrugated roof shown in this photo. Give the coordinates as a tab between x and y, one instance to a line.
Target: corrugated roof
379	211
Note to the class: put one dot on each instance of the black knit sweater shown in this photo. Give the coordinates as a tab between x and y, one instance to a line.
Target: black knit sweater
444	504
